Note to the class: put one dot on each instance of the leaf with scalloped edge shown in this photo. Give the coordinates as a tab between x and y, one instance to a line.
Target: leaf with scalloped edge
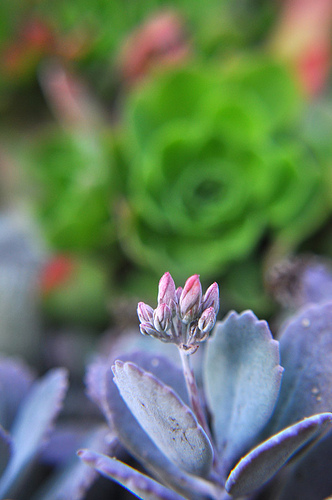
260	465
165	418
136	482
33	423
242	379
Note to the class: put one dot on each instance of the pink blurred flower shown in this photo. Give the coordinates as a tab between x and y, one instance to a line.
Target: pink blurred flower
161	41
303	38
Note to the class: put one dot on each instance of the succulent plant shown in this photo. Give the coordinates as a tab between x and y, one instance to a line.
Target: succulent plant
71	170
216	150
29	438
226	430
28	410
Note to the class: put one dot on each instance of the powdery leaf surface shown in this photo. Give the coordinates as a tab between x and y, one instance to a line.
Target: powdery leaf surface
242	380
33	423
265	460
166	419
306	355
136	482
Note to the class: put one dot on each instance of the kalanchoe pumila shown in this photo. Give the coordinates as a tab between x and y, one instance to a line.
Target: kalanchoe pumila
183	316
256	423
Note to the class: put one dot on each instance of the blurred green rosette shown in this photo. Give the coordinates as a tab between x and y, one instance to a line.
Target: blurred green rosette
214	161
70	178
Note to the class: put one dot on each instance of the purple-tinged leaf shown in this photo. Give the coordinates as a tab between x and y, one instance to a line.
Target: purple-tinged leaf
63	442
33	424
311	476
5	449
75	477
260	465
95	381
306	354
316	282
16	379
242	378
136	482
165	418
135	439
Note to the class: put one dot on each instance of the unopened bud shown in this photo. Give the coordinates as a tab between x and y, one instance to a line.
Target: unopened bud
147	329
211	298
166	290
207	320
178	292
190	299
144	312
162	317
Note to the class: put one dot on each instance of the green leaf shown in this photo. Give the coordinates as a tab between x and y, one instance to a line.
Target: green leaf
165	418
242	379
266	459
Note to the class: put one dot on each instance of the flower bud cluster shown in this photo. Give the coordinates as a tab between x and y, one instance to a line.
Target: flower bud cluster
184	316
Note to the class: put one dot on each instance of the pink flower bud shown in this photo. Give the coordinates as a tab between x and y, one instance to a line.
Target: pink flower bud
190	299
207	320
166	291
178	292
147	329
162	317
144	313
211	298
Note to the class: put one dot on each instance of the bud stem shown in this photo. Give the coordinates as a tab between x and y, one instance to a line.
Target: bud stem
193	391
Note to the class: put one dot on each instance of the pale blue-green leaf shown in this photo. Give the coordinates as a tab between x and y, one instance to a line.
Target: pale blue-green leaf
242	380
166	419
15	380
96	377
5	449
167	367
33	423
131	434
260	465
306	355
311	476
75	477
141	485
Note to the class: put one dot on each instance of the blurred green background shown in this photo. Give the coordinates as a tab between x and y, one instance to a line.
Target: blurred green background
138	137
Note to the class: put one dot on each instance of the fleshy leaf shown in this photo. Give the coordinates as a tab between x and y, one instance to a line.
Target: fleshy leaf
5	449
265	460
305	350
96	377
131	434
311	477
33	423
15	380
75	478
167	420
136	482
242	377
